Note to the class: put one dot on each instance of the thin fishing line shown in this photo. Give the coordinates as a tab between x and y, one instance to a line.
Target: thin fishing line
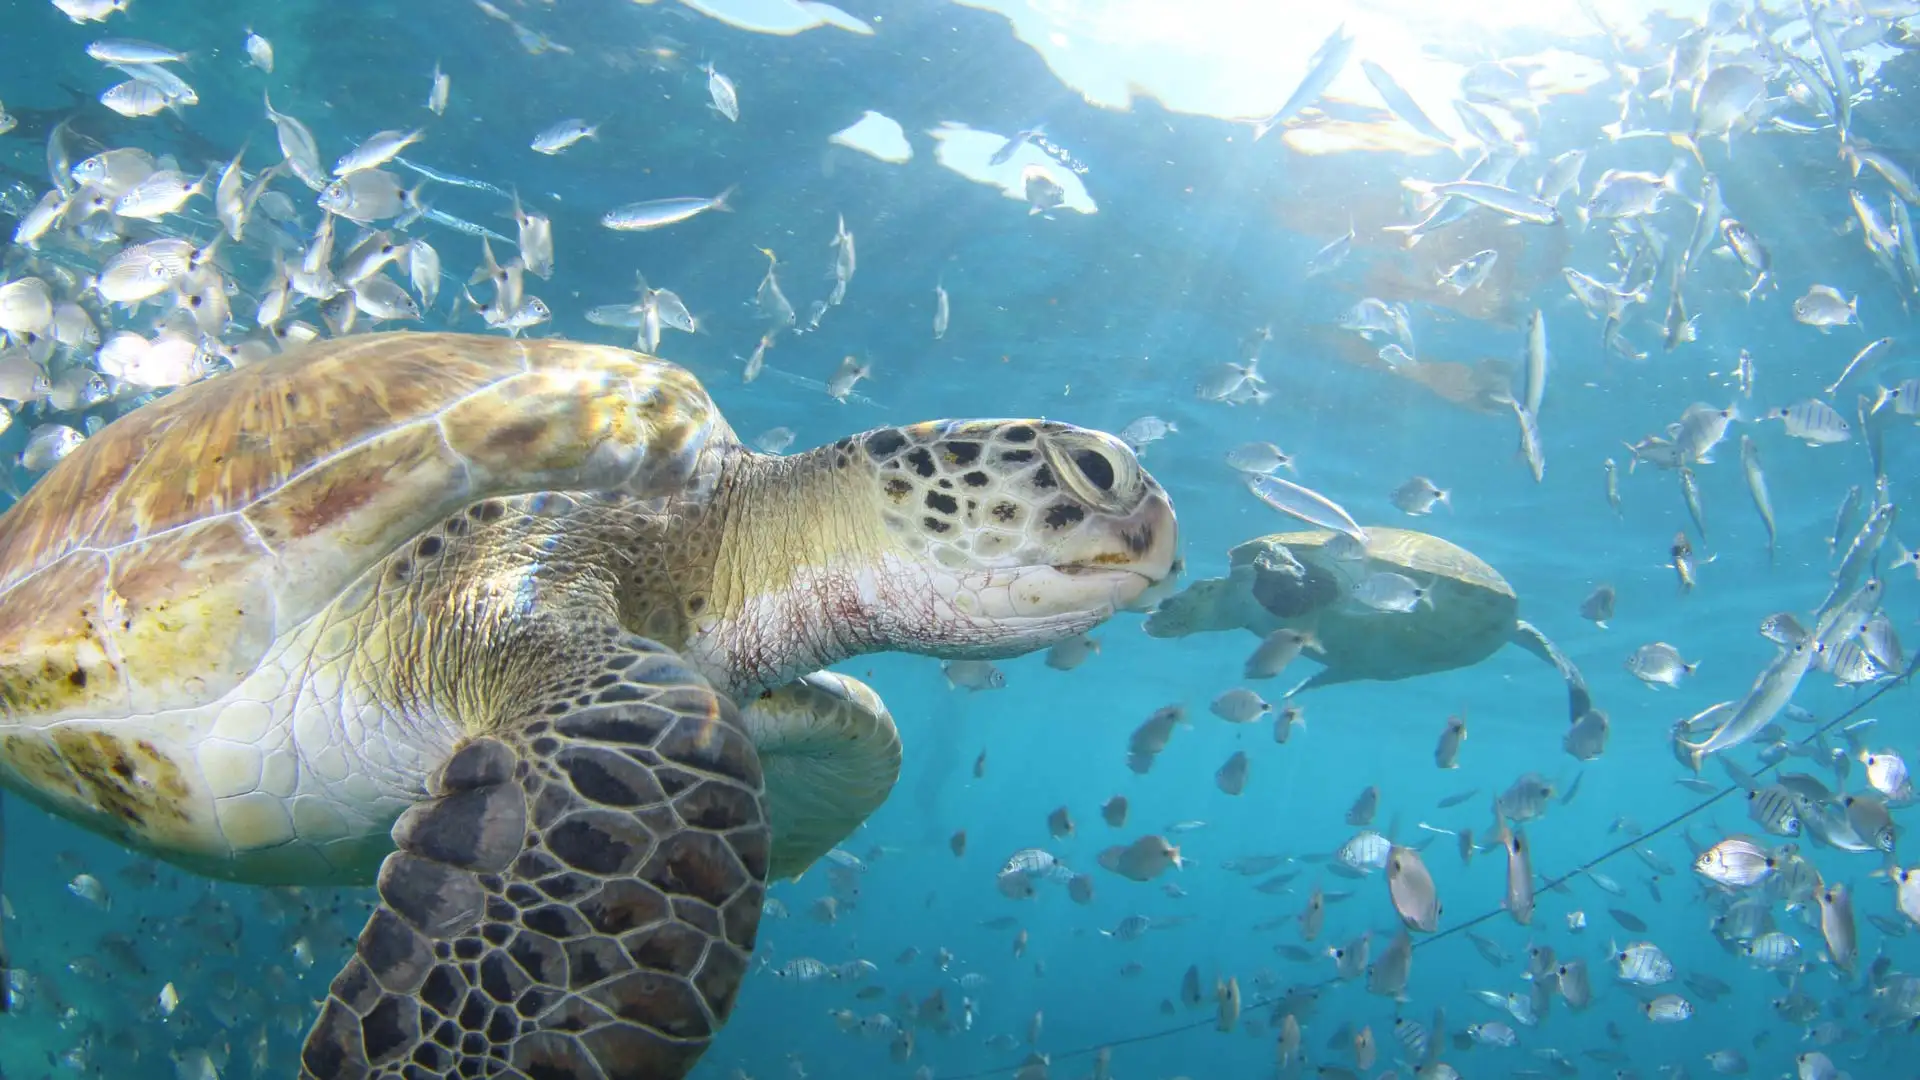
1262	1002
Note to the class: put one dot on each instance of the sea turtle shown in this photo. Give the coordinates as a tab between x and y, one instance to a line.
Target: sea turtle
1304	580
529	612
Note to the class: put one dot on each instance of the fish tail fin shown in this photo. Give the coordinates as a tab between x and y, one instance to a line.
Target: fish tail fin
1696	754
488	268
723	202
1407	231
1687	143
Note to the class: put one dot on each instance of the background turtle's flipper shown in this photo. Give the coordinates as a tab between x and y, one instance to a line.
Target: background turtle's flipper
1323	677
1529	637
831	756
577	898
1207	604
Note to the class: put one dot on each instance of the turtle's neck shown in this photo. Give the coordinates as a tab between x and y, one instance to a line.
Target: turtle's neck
781	567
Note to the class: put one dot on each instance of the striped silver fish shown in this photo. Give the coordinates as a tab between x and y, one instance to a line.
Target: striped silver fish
1775	809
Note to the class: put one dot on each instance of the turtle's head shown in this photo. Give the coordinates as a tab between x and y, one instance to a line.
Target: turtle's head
1003	536
955	538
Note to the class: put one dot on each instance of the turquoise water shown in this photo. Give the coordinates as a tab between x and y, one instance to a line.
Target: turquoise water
1200	240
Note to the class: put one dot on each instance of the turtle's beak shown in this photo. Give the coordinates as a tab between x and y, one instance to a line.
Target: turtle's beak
1155	592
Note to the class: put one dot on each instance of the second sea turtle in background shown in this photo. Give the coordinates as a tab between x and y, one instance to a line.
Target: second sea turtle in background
1306	580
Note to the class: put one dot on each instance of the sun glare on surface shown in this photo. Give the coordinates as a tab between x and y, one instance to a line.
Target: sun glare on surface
1240	59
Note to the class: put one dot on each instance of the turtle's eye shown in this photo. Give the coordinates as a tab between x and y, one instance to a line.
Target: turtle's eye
1095	467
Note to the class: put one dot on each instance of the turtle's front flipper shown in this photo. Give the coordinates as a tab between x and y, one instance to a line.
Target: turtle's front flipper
831	755
577	898
1529	637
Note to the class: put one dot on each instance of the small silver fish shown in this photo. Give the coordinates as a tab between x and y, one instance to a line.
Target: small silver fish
1329	258
1325	66
973	675
1350	960
1387	977
1517	205
128	51
1620	193
135	98
1142	860
1071	653
660	213
1519	895
1681	551
1814	421
1866	357
1231	778
845	261
1757	487
364	196
1643	964
1598	606
1145	431
1751	252
1823	308
846	377
383	299
1470	272
1446	753
1412	890
1307	505
1364	806
1418	495
1389	591
536	241
1772	949
1586	737
88	888
1259	458
1735	863
423	271
378	149
1690	492
86	11
1659	664
774	440
1276	651
437	92
259	52
1239	706
1668	1009
1837	925
1887	774
1372	316
1403	105
557	138
720	90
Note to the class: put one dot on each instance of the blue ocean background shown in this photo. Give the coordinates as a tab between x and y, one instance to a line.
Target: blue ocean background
1200	240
